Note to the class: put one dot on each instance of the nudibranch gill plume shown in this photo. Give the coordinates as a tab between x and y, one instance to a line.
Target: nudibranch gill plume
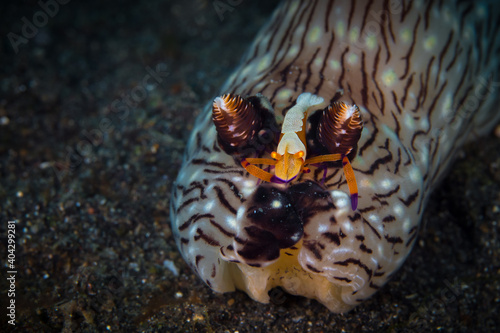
312	169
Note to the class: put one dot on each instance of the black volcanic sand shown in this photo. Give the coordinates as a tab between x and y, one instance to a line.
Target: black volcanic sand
89	187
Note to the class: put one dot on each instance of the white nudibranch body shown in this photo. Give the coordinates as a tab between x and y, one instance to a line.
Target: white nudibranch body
246	212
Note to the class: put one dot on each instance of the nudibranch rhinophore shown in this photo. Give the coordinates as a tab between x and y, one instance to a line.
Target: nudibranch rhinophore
312	171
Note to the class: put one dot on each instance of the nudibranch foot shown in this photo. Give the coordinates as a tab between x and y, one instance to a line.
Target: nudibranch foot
287	273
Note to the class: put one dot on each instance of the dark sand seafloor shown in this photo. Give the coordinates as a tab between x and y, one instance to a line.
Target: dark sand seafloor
90	188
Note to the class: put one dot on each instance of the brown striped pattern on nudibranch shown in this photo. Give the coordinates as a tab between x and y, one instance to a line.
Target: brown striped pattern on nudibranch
424	75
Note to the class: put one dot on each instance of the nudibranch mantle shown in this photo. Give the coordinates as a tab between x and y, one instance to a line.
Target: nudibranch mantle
413	70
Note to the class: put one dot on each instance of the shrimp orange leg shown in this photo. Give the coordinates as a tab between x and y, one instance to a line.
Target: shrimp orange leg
254	170
258	172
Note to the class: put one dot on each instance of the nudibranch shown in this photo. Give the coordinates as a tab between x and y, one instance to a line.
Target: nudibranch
312	171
